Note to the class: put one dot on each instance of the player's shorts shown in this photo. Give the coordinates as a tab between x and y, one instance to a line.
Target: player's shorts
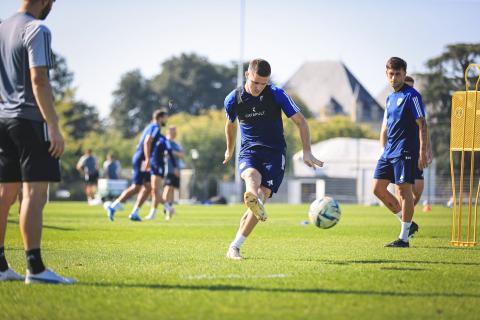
139	177
418	173
397	170
91	179
270	163
157	169
24	152
172	180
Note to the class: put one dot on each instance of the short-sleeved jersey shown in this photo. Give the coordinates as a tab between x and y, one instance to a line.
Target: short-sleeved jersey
88	163
111	169
260	117
159	148
24	44
170	166
403	108
152	130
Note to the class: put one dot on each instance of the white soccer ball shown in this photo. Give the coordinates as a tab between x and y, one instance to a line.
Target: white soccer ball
324	213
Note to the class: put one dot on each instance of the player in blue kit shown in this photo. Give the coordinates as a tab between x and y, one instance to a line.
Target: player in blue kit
141	167
258	107
405	149
157	171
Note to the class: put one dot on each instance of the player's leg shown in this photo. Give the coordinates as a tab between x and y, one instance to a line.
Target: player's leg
253	193
417	190
381	192
157	195
8	195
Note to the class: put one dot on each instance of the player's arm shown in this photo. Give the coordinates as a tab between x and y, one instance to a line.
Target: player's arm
383	136
79	166
230	135
423	134
429	148
308	158
147	150
43	93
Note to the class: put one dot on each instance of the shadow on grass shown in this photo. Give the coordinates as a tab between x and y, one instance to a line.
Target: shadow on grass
380	261
233	288
46	226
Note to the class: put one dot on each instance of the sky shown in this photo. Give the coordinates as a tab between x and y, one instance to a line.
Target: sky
103	39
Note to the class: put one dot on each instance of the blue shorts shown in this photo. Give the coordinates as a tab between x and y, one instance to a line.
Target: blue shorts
157	169
398	170
270	164
139	177
418	173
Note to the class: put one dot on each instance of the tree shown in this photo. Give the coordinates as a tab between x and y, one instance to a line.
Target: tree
133	104
61	77
445	75
190	83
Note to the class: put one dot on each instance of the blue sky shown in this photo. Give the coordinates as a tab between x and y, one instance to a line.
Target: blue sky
101	40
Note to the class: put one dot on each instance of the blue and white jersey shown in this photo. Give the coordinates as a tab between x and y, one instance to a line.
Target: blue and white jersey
403	108
260	117
152	130
24	43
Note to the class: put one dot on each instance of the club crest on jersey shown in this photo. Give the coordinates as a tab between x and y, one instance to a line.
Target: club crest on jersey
399	101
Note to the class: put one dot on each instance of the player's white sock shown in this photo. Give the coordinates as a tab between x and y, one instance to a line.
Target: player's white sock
135	210
153	212
167	205
399	216
404	232
115	204
238	241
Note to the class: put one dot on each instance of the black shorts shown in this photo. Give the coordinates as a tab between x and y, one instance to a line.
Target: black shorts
91	179
24	152
172	180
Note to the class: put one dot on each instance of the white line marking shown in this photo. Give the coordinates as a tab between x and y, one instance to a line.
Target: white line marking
233	276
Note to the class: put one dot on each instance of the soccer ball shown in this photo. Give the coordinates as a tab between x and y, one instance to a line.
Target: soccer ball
324	213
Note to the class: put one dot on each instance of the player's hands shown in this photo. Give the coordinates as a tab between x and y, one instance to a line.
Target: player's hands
429	155
145	166
176	172
57	144
310	160
228	156
422	161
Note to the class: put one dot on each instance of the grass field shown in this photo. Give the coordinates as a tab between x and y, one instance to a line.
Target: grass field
177	269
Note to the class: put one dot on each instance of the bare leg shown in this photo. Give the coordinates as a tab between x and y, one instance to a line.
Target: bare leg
127	193
8	195
168	193
406	197
380	190
417	191
31	214
249	221
157	184
143	195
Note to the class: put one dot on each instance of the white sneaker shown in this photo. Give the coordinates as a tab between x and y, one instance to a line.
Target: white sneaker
47	276
256	206
234	254
151	216
169	212
10	275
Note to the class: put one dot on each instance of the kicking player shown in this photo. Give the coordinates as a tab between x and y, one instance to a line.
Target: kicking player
141	168
258	107
31	142
405	150
157	171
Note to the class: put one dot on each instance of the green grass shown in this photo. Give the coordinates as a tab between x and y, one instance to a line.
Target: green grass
177	269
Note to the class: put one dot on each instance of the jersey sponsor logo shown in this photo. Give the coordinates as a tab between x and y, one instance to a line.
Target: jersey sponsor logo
268	167
242	165
399	101
255	113
270	183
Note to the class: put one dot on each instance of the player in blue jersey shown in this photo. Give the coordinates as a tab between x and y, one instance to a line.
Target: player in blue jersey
418	186
157	171
141	167
258	107
405	149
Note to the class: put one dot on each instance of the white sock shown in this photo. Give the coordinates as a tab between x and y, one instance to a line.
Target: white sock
135	210
399	216
404	232
153	211
115	204
167	205
239	239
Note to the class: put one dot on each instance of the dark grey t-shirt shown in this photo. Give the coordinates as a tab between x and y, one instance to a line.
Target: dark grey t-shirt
24	44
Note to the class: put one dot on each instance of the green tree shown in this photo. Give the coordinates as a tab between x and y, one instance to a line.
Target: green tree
189	83
133	104
444	76
61	77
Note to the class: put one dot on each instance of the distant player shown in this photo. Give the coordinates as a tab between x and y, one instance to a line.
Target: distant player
111	167
87	165
258	107
157	171
140	168
405	150
172	179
